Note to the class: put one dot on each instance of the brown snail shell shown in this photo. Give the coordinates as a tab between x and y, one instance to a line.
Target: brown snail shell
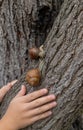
33	77
34	52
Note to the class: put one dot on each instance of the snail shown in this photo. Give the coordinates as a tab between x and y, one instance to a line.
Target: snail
36	52
33	77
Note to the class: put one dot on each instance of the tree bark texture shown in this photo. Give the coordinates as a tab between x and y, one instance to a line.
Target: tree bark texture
27	23
22	24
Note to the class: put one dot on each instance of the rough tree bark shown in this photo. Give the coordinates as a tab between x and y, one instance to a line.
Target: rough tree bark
24	24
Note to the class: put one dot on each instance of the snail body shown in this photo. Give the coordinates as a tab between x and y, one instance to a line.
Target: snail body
33	77
36	52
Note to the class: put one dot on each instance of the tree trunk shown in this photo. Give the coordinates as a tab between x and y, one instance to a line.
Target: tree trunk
24	24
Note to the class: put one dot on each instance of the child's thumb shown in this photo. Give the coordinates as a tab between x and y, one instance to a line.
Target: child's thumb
22	92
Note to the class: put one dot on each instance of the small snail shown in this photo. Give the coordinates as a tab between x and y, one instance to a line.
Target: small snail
33	77
36	52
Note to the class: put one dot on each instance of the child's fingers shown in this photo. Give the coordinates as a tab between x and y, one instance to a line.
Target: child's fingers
22	92
32	96
6	88
43	108
41	116
42	101
3	92
11	83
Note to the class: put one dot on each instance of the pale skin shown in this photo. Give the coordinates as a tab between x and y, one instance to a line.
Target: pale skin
25	110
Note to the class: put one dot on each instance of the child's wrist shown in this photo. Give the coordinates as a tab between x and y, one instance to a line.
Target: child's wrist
6	125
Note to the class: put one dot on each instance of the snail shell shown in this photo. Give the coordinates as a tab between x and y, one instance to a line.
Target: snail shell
34	52
33	77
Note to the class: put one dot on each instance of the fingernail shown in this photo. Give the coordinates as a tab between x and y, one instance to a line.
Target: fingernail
22	86
52	96
50	113
54	104
13	82
8	84
45	90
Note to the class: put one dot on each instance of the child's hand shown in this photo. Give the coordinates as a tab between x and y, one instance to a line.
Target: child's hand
24	110
5	89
